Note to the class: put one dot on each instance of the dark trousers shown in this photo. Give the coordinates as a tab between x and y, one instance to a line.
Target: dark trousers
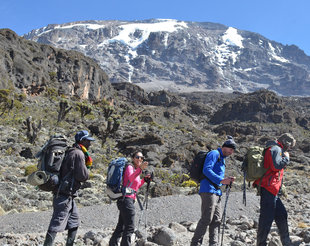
50	237
210	217
65	214
126	223
65	217
271	208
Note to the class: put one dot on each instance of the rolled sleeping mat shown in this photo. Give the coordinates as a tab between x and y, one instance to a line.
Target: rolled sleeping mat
113	195
37	178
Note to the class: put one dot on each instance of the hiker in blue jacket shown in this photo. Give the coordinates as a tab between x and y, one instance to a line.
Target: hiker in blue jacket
210	193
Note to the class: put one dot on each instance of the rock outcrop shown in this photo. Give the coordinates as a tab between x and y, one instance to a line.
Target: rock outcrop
35	68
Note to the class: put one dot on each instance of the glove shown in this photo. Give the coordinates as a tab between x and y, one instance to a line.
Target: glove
147	178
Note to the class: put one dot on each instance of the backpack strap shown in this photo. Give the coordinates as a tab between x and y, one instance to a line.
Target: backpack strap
125	188
71	172
258	187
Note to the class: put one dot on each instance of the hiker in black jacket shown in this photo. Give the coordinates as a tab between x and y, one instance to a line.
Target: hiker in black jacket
74	170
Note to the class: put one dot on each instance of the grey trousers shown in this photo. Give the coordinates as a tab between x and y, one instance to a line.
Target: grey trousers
65	214
210	217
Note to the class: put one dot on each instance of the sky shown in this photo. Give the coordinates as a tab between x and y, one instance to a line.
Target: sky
284	21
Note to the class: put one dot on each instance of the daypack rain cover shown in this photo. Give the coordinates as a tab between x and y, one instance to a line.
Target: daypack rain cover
115	174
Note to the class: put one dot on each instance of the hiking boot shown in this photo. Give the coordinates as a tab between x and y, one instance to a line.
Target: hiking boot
286	242
199	243
49	239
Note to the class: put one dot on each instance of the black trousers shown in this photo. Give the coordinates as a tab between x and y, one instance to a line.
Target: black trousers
272	209
126	223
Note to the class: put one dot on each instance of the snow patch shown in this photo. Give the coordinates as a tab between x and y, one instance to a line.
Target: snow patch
126	35
224	54
231	37
68	26
274	55
88	26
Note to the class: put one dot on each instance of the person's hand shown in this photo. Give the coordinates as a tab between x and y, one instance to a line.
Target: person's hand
144	165
286	154
228	180
147	178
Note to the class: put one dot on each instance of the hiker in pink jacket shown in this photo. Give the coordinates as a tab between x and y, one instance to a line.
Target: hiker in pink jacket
126	222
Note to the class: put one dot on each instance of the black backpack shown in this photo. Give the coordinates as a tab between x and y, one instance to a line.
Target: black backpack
197	166
51	157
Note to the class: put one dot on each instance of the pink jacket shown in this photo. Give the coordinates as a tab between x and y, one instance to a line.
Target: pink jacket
132	175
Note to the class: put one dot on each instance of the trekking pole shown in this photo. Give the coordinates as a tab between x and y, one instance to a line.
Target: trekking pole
144	207
224	212
146	200
244	188
146	204
142	212
140	218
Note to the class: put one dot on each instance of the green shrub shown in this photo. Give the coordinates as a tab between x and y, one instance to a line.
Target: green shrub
9	151
189	183
52	75
91	175
30	169
51	92
173	179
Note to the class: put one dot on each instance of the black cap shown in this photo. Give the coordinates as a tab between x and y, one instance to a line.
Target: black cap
230	143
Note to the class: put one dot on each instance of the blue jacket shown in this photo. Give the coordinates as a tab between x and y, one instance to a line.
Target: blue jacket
214	169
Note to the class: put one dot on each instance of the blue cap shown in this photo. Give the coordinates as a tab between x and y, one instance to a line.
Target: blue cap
82	135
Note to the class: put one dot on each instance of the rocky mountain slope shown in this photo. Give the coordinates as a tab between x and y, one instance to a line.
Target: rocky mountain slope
184	56
169	128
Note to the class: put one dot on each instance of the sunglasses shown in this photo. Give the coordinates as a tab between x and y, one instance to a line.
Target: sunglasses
139	157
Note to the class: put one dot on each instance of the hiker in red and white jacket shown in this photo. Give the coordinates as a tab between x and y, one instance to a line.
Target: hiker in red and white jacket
276	158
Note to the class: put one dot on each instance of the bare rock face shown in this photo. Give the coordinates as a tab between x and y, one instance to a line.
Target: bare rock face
261	106
34	68
131	92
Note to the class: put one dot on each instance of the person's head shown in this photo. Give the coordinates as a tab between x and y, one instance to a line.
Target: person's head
84	138
137	158
229	146
287	140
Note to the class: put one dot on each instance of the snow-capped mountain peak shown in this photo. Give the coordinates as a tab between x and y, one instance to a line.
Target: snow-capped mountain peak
183	55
